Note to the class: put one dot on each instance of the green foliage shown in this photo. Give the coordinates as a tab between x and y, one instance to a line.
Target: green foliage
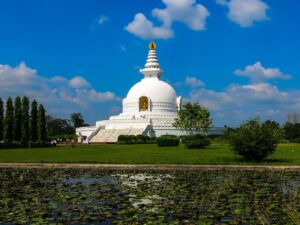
18	119
77	120
132	139
1	119
9	121
42	130
167	141
25	121
57	127
193	118
292	131
254	140
34	121
196	141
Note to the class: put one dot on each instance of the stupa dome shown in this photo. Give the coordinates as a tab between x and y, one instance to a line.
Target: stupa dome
155	89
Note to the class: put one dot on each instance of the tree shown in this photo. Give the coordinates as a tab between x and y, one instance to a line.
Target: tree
293	118
291	131
77	120
25	121
42	131
18	119
254	140
58	127
34	121
1	119
193	118
9	121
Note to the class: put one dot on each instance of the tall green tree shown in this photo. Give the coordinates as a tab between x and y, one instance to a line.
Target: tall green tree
34	121
1	119
42	132
9	121
193	118
77	120
18	119
25	121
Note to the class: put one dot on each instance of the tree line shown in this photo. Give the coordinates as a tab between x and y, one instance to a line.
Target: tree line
64	129
22	122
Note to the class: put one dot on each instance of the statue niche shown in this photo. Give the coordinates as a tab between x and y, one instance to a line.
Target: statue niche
143	103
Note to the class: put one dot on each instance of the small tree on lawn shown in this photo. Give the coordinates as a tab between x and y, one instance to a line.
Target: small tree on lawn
9	121
196	121
1	119
254	140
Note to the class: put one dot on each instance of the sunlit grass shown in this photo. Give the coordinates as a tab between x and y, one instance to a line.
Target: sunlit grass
286	154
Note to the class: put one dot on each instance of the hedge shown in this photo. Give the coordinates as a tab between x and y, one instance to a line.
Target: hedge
167	141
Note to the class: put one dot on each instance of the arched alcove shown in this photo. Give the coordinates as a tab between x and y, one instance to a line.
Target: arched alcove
143	103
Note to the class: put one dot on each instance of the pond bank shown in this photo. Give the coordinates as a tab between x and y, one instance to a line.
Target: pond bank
148	166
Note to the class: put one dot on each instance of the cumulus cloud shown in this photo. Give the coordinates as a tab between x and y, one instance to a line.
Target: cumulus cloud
79	82
238	103
185	11
194	82
61	96
258	73
145	29
245	12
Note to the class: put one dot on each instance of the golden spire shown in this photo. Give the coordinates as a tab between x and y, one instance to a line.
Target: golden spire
152	45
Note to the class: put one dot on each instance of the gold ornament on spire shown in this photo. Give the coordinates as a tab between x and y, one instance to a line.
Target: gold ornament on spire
152	45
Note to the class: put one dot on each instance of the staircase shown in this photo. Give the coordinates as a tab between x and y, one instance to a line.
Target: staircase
111	135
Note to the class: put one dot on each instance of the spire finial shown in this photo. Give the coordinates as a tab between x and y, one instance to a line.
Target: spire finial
152	45
152	69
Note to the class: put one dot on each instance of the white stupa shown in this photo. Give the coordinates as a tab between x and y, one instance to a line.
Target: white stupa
150	109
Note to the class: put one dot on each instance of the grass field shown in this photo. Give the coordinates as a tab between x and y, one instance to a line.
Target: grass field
286	154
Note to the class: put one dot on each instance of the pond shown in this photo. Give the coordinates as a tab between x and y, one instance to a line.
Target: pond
94	196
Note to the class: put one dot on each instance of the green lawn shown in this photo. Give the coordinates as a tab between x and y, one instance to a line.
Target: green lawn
287	154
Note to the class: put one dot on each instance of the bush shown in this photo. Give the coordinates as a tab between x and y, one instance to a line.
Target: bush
167	141
254	140
132	139
197	141
296	140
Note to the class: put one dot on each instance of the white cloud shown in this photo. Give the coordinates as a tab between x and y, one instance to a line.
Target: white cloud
184	11
258	73
246	12
145	29
238	103
102	19
60	95
79	82
194	82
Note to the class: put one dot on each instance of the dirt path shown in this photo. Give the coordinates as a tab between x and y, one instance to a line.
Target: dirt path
147	166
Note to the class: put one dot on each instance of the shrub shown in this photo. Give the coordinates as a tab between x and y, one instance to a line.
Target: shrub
254	140
296	140
132	139
167	141
196	141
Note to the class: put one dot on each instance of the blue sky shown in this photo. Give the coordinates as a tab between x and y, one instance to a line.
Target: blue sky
240	58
